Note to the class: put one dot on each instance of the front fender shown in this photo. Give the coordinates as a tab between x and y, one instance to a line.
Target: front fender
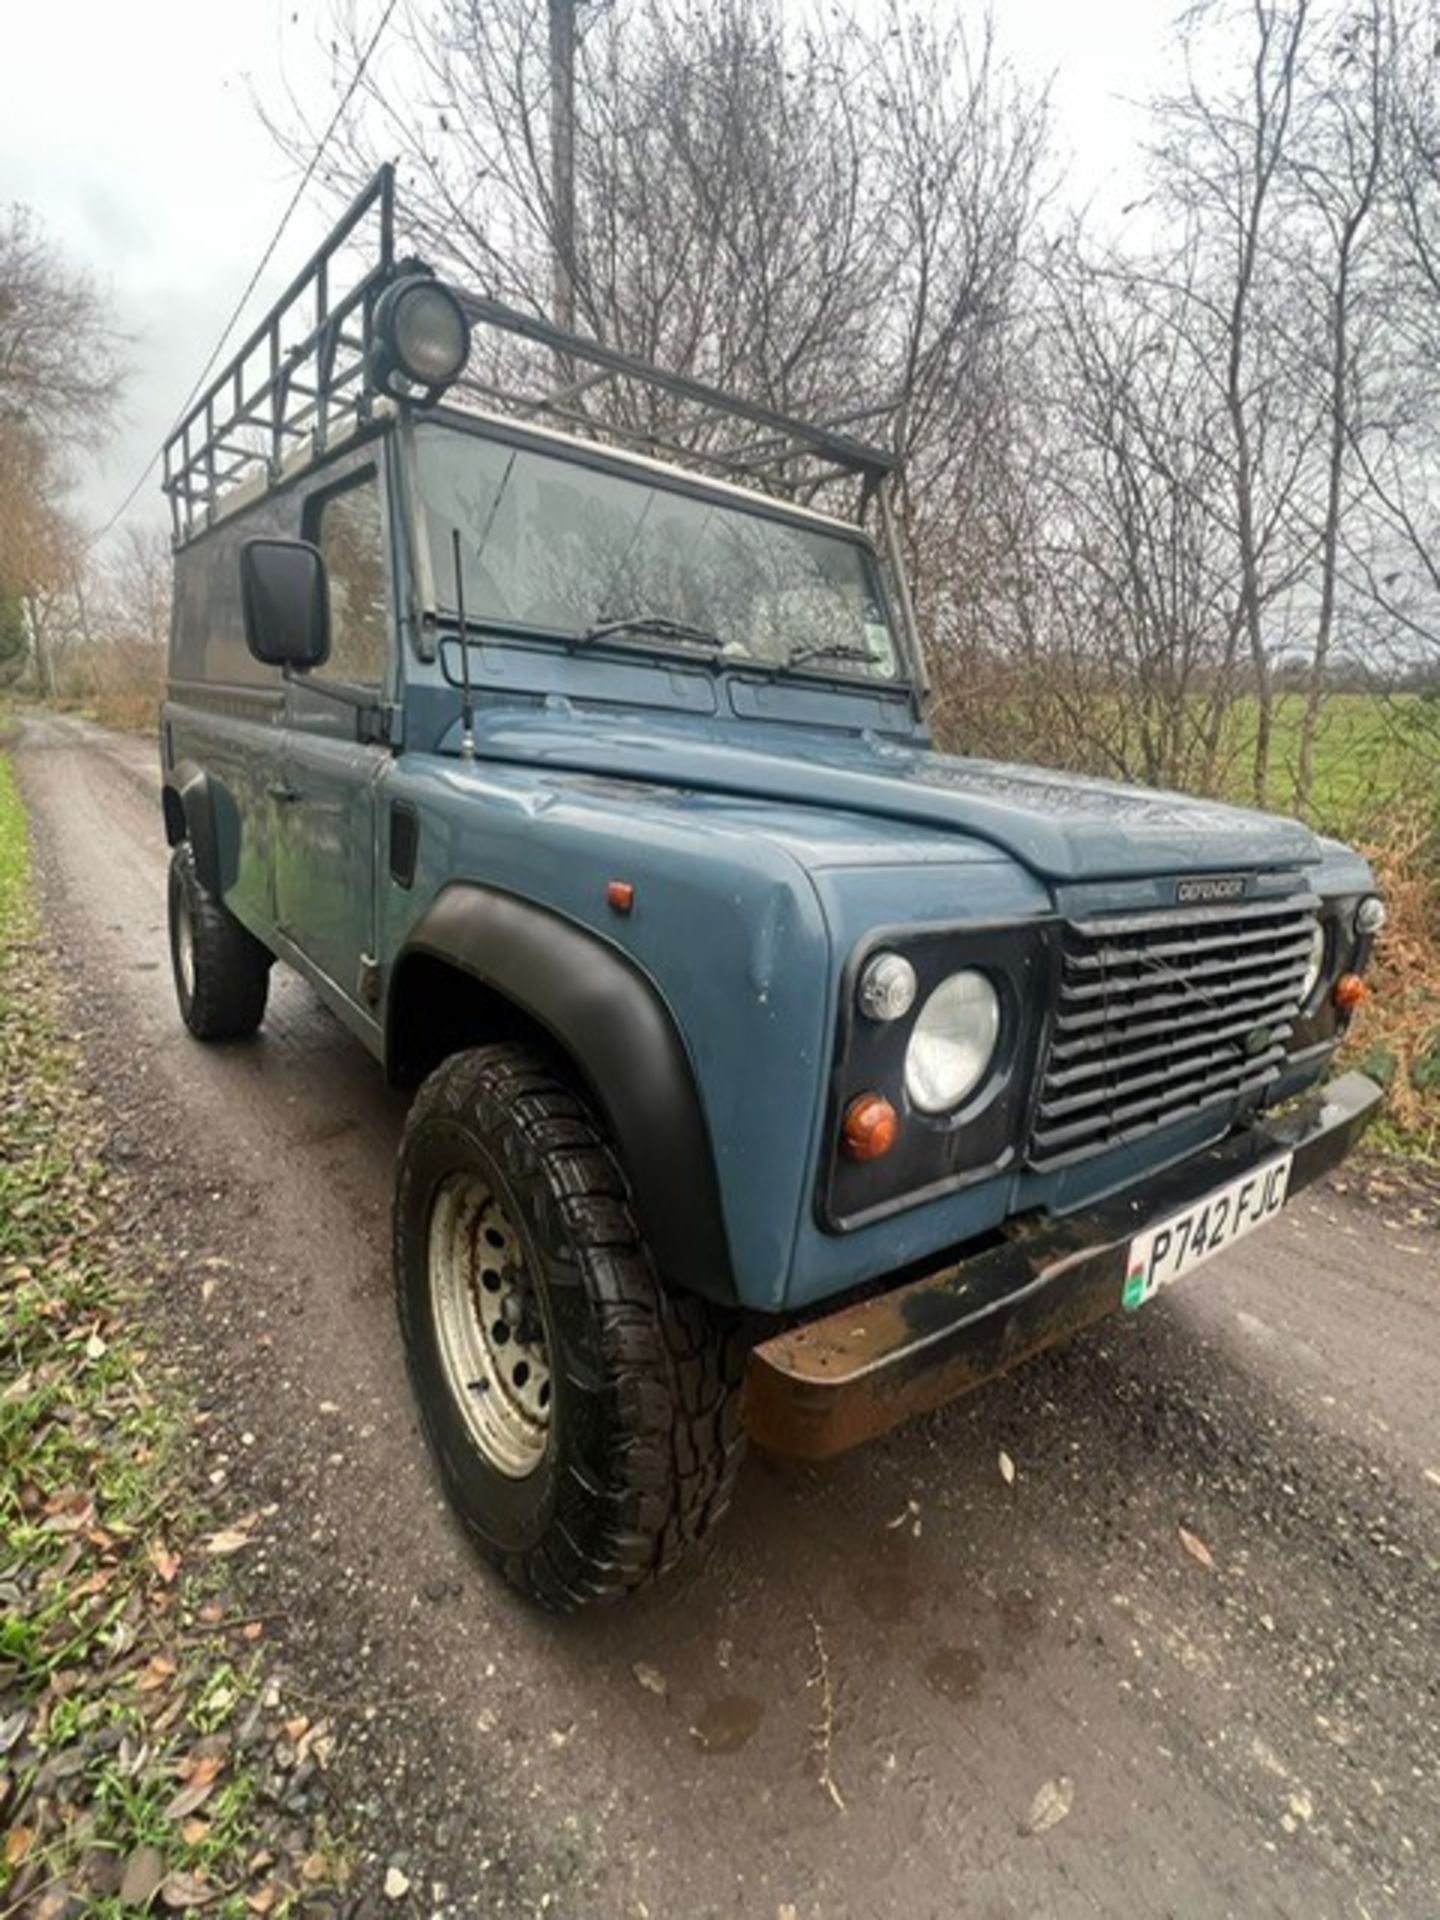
612	1022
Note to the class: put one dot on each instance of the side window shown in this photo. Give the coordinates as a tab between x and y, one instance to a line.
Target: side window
350	532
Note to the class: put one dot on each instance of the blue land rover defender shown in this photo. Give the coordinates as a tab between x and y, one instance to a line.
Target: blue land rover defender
776	1073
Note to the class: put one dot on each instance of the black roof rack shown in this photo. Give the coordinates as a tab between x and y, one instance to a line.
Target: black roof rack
303	378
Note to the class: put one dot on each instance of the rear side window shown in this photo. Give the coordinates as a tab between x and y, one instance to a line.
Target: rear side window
350	533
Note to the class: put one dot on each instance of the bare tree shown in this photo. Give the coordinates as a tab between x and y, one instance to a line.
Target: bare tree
134	592
58	349
1147	489
59	382
819	212
1339	169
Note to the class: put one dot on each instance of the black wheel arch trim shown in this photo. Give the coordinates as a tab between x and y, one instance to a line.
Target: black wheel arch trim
188	801
608	1016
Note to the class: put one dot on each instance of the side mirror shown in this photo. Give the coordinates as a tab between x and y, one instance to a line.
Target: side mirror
287	603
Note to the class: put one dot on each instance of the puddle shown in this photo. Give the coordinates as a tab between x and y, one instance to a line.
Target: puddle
724	1726
954	1673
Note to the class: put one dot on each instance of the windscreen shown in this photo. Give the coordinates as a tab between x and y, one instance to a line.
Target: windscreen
551	543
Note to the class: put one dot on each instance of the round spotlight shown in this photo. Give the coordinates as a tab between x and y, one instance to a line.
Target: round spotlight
952	1043
887	987
1370	915
422	338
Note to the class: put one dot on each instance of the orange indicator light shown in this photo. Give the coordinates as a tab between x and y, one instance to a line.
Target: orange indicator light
870	1128
621	895
1350	990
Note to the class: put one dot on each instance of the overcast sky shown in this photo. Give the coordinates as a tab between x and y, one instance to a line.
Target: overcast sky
132	131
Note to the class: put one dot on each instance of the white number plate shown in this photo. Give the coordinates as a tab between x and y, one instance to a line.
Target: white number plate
1186	1240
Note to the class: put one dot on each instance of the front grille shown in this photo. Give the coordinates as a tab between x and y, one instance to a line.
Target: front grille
1160	1015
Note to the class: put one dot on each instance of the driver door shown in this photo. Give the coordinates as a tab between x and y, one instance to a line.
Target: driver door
327	805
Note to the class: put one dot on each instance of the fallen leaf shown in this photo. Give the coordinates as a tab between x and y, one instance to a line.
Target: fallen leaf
651	1678
228	1540
1050	1805
183	1891
252	1629
157	1670
144	1871
69	1513
189	1798
261	1900
17	1844
295	1728
1197	1549
192	1832
165	1563
1007	1468
396	1884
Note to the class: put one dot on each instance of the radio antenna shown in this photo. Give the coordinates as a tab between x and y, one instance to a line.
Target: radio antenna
467	692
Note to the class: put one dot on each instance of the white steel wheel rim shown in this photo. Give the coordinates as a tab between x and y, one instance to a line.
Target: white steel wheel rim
488	1327
185	946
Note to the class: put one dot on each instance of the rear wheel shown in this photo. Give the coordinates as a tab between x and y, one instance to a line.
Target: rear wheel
222	973
585	1419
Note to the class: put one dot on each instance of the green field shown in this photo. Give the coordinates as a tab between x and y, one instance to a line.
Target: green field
1372	755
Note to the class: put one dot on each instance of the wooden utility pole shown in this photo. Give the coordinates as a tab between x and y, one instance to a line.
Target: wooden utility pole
562	158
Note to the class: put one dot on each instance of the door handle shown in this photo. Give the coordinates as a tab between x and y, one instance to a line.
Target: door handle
278	790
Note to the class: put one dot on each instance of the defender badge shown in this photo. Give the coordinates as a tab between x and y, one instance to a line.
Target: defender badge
1211	890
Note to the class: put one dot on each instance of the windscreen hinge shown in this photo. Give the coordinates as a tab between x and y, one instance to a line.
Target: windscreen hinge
380	724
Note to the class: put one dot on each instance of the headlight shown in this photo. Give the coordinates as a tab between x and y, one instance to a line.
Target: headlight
1314	966
1370	915
887	987
952	1043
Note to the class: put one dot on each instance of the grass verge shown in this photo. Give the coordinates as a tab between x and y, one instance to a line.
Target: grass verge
145	1756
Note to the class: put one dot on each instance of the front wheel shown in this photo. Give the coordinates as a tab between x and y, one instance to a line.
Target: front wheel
222	973
586	1420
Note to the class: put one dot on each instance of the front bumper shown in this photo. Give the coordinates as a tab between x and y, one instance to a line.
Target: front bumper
827	1385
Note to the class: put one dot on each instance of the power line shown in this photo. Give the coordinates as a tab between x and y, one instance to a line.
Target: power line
264	261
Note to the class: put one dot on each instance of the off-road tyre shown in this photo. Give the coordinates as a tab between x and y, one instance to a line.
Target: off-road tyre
222	992
644	1437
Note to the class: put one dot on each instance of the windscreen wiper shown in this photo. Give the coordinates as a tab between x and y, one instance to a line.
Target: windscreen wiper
659	624
829	650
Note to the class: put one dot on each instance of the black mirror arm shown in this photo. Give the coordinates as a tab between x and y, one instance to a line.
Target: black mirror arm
376	717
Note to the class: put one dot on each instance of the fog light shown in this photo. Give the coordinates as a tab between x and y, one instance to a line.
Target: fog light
1350	990
1370	915
870	1127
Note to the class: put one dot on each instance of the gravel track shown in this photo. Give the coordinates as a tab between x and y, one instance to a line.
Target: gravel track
1256	1736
